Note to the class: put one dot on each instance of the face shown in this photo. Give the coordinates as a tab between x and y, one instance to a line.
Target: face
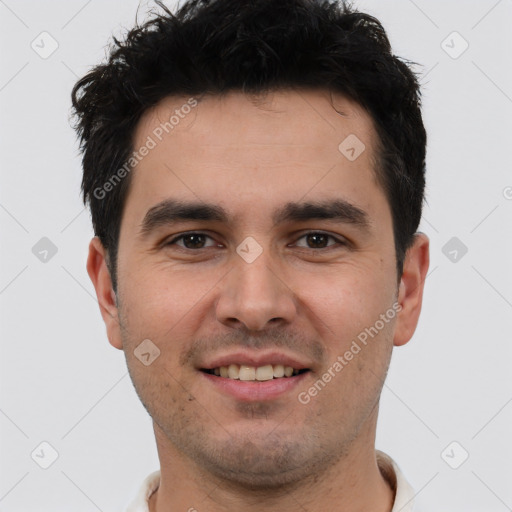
253	244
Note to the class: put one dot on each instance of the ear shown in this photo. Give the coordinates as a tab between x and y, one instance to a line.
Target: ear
410	293
100	277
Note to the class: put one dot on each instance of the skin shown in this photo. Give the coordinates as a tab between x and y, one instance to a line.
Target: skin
309	298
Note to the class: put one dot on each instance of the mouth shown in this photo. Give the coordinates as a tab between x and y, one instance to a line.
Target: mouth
248	373
255	377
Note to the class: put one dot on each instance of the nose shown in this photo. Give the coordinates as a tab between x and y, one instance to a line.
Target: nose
255	295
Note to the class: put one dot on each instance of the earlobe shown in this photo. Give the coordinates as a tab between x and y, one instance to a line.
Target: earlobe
410	291
99	273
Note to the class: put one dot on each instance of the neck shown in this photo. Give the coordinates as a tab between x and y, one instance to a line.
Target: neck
353	484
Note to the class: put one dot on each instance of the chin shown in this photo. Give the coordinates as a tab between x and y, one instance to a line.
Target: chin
263	461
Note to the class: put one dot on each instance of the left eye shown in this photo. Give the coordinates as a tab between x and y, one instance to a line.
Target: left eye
316	240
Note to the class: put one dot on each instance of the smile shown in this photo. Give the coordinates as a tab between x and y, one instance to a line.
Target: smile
255	373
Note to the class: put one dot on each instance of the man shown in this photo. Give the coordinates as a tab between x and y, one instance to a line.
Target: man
255	172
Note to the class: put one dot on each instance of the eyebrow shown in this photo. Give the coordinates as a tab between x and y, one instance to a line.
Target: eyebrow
170	211
338	210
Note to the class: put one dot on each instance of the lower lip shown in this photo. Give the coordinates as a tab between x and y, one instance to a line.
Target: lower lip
254	391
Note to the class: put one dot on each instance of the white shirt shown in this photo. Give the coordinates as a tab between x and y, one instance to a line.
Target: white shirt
404	494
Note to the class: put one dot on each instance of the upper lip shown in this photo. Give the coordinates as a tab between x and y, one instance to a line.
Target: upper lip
256	359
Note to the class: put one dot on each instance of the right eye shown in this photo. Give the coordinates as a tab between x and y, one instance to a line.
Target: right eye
192	241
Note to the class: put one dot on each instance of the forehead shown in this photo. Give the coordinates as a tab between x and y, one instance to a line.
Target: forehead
240	149
286	117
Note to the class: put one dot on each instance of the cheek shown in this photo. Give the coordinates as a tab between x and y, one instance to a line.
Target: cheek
346	302
164	304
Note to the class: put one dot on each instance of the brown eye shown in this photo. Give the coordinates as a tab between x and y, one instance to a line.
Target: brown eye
318	240
192	241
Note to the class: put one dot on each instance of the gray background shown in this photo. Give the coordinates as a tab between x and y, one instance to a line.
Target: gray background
62	383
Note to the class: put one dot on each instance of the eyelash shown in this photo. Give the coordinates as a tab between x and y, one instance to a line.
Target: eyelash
183	235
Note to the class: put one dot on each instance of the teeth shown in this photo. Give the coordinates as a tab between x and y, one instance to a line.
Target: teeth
233	371
252	373
247	373
278	370
265	372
